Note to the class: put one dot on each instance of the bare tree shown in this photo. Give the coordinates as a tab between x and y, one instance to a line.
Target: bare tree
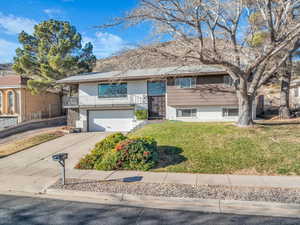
284	109
217	32
285	84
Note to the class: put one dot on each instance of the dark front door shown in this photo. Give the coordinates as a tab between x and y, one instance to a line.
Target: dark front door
157	107
157	99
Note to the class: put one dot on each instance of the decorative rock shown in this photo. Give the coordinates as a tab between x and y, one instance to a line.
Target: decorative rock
287	195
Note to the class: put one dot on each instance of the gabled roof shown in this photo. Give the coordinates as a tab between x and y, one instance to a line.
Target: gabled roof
144	74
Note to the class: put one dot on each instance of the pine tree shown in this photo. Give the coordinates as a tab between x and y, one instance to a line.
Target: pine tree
54	51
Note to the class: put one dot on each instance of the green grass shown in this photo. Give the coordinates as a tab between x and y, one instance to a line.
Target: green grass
20	145
222	148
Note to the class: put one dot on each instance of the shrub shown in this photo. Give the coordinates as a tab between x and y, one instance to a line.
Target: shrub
108	161
141	114
118	152
136	154
87	162
107	144
101	148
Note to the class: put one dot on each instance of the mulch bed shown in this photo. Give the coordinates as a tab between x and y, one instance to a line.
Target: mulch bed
282	195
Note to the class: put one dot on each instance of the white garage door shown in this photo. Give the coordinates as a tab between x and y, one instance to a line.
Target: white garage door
110	120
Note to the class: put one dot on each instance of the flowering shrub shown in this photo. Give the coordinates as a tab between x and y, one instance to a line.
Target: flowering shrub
101	148
136	154
118	152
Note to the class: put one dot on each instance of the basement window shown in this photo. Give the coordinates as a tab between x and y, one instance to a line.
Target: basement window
186	112
230	112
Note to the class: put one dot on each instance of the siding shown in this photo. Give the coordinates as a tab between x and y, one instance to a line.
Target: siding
209	91
136	90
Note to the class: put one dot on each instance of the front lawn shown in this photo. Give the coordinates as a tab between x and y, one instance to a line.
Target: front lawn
20	145
222	148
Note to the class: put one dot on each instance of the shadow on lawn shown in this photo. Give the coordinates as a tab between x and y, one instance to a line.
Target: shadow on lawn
169	155
277	123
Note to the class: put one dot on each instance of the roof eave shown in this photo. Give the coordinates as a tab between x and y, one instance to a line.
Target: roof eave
140	77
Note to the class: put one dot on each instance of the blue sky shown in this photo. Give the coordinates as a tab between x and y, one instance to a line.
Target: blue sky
18	15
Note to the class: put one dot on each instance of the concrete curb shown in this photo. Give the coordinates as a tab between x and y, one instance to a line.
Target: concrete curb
186	204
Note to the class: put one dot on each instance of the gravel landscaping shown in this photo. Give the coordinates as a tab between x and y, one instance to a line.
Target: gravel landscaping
184	191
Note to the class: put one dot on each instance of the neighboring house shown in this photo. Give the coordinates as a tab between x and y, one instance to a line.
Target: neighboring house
295	94
17	104
107	101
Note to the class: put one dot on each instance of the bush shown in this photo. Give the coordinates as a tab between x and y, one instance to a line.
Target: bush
87	162
101	148
141	114
118	152
136	154
108	143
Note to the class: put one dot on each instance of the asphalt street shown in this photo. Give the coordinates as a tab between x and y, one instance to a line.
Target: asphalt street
25	210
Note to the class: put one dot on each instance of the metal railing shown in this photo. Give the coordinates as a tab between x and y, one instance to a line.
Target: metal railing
70	101
97	101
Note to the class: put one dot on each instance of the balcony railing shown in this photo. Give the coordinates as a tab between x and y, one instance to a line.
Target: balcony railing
70	101
96	101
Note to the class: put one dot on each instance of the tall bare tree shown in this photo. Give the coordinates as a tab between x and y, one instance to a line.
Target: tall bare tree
218	32
286	76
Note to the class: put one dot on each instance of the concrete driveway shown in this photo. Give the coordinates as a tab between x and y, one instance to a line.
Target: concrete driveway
33	170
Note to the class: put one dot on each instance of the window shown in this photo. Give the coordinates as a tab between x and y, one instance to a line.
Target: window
186	112
229	112
228	81
112	90
156	88
10	97
185	82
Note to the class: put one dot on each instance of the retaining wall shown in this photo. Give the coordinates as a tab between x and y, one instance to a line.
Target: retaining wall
31	125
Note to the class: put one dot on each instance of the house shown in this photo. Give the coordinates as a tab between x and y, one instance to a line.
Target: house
17	104
295	94
108	101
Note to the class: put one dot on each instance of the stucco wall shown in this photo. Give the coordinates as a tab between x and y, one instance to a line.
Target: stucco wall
204	113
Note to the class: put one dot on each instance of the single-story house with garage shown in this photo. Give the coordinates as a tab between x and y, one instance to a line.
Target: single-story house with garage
108	101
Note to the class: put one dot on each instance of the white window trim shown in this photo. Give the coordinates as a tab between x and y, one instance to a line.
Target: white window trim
186	116
178	85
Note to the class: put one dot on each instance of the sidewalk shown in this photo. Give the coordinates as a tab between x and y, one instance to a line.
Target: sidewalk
123	196
187	178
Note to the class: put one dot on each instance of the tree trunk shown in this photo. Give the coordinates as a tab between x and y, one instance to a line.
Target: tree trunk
61	95
284	109
245	111
245	105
